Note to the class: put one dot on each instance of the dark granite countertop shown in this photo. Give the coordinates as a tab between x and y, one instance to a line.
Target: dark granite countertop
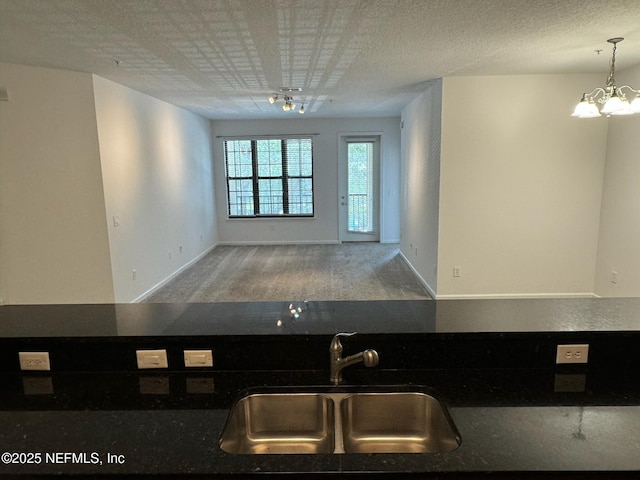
492	363
274	318
509	421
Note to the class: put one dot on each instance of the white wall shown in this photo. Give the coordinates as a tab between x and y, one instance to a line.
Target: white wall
323	228
521	186
421	183
53	238
619	247
157	170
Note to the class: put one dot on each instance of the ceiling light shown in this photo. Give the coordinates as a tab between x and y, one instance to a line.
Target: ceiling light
301	111
288	100
611	97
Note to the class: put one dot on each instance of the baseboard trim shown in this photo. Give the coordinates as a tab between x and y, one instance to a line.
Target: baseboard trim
162	283
415	272
495	296
279	242
503	296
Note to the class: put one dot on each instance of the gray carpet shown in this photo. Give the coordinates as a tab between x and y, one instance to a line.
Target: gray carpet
348	271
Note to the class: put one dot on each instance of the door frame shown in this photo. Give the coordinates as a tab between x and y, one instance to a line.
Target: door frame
343	139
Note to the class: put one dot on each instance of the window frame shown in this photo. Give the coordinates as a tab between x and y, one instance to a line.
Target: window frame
255	178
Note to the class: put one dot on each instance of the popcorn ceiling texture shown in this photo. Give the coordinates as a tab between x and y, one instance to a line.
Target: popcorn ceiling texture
222	58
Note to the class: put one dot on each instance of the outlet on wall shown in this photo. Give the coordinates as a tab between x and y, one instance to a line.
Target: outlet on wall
152	358
572	354
198	358
34	361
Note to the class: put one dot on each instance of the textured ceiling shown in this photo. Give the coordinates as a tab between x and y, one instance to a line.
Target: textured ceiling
222	58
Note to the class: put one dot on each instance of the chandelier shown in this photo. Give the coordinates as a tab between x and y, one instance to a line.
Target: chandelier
288	106
611	97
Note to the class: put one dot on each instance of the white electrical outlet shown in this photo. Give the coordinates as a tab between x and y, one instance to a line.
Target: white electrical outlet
572	353
457	272
34	361
198	358
152	359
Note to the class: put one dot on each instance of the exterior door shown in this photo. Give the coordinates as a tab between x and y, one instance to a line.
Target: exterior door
359	189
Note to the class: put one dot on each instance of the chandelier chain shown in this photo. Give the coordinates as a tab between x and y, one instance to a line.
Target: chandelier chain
612	70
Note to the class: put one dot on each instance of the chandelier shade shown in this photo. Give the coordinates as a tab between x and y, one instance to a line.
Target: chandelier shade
586	109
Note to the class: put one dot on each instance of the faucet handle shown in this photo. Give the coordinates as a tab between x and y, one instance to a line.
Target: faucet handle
370	358
336	346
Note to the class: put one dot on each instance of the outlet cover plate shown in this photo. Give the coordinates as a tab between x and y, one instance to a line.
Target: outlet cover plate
152	359
198	358
34	361
572	354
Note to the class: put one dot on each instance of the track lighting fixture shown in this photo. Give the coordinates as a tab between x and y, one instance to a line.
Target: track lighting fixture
288	106
613	98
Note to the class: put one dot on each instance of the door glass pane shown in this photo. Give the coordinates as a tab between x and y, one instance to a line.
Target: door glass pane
360	187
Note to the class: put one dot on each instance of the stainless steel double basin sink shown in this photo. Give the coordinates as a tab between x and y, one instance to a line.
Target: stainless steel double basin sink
336	420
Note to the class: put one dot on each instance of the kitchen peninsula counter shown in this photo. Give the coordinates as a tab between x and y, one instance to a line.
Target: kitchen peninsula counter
516	411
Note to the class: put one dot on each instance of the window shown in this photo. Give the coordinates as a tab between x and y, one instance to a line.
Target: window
269	177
